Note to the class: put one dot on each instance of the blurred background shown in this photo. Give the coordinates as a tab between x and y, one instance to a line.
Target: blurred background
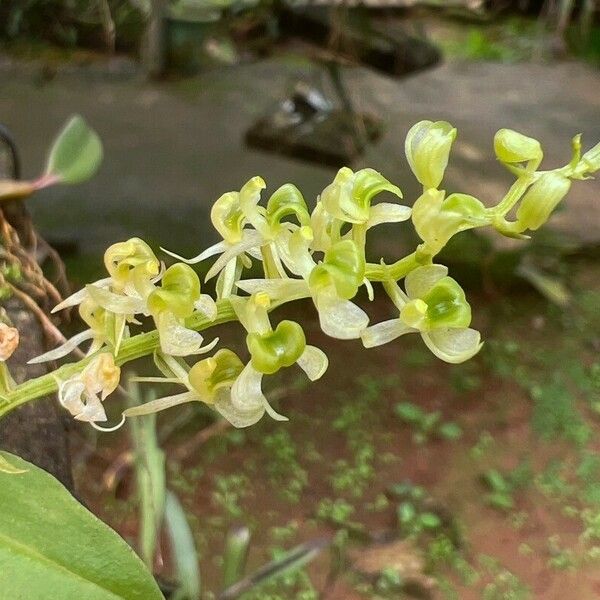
397	476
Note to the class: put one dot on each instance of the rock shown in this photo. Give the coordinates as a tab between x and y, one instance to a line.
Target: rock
400	556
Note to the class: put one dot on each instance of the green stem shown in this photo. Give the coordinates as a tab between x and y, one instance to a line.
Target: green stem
132	348
518	188
401	268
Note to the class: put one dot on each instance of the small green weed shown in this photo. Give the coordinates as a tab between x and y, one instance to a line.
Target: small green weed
502	486
229	491
426	424
555	414
284	470
355	477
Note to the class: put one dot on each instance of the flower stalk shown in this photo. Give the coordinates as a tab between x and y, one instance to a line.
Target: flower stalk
318	255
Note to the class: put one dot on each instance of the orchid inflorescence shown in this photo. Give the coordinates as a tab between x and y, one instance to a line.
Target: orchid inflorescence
318	255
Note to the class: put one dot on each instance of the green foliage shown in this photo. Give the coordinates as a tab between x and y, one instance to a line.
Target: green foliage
288	477
389	583
8	468
336	511
560	558
555	413
71	22
74	157
52	547
355	477
150	478
76	153
229	491
588	472
504	585
235	555
412	522
465	379
553	480
183	550
426	424
502	486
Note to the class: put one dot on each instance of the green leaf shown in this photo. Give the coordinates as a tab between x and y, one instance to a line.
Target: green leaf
235	555
430	520
7	467
450	431
76	153
409	412
52	547
183	549
149	473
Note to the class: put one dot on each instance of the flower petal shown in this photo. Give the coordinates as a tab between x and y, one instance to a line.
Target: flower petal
340	318
207	306
387	212
422	279
64	349
313	362
238	417
80	296
161	404
276	289
453	345
175	338
217	248
250	239
226	279
384	332
273	413
245	403
93	410
248	403
246	392
69	395
116	303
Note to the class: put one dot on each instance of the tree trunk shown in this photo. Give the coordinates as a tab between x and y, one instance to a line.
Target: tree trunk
36	431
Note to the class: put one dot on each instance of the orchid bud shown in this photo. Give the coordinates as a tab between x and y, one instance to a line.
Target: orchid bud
592	159
286	201
350	194
427	150
9	340
179	291
512	148
541	199
343	266
126	259
276	349
227	217
210	376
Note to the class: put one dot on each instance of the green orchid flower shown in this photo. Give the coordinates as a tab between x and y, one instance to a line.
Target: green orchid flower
349	197
437	218
331	283
224	382
251	230
83	394
174	301
435	306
